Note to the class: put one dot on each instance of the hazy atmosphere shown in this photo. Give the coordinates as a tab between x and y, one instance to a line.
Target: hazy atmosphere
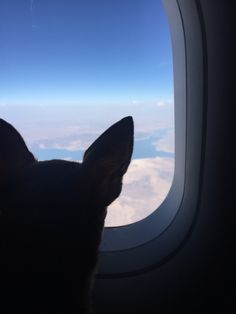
70	69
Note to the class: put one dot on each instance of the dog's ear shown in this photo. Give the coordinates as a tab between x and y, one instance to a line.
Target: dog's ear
108	158
14	153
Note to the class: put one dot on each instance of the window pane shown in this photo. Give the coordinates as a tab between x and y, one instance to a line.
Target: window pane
69	69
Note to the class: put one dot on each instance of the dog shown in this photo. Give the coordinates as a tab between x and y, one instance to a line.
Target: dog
51	220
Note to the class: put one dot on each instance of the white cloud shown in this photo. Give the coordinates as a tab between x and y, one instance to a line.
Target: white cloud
42	123
146	185
166	143
162	103
72	146
71	143
42	146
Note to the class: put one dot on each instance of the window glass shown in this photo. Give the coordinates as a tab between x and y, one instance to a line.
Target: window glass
69	69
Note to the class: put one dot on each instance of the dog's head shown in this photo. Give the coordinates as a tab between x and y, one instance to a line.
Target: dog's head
57	206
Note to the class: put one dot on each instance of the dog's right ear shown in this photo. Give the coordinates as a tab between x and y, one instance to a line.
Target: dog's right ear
14	153
108	158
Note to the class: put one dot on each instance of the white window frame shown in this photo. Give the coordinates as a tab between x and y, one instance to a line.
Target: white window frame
148	243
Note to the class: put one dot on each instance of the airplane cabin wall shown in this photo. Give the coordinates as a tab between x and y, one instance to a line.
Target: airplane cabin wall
197	279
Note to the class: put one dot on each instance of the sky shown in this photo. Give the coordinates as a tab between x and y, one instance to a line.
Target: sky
60	52
71	68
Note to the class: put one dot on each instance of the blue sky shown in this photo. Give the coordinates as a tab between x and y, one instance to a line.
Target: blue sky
80	51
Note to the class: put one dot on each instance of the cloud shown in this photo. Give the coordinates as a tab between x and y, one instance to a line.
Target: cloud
73	145
37	123
165	102
145	186
166	143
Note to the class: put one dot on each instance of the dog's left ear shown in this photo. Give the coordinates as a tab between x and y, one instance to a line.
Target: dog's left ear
14	153
108	158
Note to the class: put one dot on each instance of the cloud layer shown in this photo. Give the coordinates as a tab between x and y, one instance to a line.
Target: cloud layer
166	143
65	132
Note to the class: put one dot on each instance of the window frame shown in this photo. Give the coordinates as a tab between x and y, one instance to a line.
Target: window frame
140	246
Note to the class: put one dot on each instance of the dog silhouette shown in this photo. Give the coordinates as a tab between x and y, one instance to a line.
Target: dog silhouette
51	220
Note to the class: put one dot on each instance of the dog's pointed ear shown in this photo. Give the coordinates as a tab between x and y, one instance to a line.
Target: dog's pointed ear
14	153
108	158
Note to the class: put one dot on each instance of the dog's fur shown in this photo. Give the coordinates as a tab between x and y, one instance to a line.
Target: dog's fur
51	220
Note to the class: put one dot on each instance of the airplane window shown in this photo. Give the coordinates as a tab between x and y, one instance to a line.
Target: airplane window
71	69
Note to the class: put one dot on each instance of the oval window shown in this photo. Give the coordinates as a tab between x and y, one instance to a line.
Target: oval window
70	70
